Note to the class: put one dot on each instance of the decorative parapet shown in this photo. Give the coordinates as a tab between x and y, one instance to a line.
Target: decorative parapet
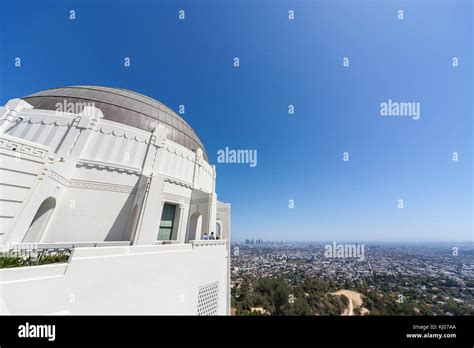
23	147
122	132
181	151
177	182
11	111
90	185
88	163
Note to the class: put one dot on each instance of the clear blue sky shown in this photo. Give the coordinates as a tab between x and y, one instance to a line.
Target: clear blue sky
285	62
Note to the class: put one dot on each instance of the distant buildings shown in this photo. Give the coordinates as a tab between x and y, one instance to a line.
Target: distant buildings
422	274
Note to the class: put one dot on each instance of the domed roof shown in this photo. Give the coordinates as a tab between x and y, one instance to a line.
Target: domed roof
123	106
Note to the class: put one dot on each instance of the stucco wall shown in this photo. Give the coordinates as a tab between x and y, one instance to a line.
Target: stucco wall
22	166
160	279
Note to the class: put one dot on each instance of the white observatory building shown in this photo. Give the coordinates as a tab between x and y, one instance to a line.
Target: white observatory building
124	184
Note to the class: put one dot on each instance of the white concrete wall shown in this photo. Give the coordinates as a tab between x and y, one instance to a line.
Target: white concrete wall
22	166
90	215
160	279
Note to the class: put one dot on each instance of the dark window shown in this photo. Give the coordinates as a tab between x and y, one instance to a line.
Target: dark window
166	224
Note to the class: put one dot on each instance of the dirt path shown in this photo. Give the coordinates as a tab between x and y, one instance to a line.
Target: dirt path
355	300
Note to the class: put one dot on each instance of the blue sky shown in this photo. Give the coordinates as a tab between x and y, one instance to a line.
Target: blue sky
285	62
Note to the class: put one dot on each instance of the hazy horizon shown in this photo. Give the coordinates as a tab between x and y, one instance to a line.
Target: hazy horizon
356	241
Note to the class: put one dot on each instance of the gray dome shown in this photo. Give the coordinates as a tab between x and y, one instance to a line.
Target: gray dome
123	106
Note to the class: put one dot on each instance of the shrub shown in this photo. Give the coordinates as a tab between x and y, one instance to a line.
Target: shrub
42	258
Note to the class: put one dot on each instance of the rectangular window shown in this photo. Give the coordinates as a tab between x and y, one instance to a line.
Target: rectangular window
166	224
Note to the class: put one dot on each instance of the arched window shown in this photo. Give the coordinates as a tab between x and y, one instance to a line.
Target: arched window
40	221
219	230
195	226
